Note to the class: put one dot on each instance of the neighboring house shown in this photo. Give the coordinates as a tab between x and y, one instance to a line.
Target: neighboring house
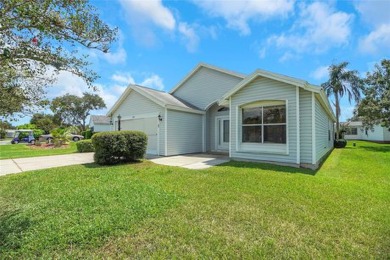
356	131
99	123
263	116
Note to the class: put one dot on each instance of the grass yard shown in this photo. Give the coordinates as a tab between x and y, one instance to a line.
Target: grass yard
11	151
237	210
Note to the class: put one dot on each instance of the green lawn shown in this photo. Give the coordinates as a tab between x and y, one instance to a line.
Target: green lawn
237	210
11	151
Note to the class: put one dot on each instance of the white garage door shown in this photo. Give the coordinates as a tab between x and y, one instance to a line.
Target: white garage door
146	125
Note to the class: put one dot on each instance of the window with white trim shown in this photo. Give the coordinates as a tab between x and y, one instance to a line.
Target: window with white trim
264	124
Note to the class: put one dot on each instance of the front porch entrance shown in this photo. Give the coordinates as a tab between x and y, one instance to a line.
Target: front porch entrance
222	127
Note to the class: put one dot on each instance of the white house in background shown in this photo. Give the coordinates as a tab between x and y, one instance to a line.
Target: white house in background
262	116
356	131
99	123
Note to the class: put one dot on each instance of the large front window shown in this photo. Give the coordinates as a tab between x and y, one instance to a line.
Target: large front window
264	124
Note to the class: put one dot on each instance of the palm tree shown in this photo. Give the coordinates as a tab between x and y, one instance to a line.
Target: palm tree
342	81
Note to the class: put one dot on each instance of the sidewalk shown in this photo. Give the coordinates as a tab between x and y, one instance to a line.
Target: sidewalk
9	166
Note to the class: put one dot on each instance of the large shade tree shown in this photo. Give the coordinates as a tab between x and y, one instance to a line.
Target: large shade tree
375	106
342	82
74	110
39	38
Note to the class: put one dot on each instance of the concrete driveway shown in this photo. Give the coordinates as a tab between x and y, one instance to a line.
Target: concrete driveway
190	161
43	162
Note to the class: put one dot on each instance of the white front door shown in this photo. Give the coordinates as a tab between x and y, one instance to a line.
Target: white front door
223	133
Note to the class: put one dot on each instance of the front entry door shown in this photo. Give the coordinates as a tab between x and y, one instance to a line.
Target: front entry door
223	133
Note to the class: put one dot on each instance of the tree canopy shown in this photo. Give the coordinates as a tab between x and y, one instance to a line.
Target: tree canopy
39	38
375	106
342	82
74	110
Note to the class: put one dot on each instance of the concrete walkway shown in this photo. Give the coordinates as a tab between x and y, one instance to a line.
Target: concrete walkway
192	161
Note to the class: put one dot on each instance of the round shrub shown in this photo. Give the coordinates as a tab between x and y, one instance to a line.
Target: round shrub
85	146
341	143
119	146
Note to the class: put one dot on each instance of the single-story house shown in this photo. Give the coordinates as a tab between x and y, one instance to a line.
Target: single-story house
356	131
263	116
99	123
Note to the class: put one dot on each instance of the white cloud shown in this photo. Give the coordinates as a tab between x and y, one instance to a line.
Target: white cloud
238	13
149	11
376	15
376	41
117	57
374	12
124	78
190	36
320	73
153	81
143	16
318	28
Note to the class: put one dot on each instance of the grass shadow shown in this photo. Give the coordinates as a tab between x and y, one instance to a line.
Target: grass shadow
270	167
12	227
381	149
95	165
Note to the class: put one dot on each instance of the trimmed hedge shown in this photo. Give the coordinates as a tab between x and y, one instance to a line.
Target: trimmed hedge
119	146
85	146
341	143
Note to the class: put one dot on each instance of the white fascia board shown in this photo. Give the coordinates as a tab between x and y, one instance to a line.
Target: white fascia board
183	109
208	66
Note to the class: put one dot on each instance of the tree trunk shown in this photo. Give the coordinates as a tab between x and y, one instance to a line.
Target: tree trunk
336	97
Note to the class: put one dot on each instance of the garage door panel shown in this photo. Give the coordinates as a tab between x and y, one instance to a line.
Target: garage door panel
147	125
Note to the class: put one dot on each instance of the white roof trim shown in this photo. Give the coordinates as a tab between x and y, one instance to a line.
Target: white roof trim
282	78
208	66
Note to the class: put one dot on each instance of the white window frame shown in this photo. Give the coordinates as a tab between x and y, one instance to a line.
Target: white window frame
264	148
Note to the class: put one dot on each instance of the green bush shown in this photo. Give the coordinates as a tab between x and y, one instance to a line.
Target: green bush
87	134
341	143
119	146
85	146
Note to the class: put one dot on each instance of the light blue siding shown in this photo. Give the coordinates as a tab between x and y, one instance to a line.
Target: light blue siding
135	105
323	125
184	133
262	89
205	87
305	119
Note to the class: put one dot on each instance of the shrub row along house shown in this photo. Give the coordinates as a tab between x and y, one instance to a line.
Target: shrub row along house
263	116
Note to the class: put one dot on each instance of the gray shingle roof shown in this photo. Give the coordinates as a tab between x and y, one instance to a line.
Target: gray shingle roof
166	98
99	119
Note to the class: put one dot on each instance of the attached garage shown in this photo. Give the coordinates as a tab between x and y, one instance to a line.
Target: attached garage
149	126
166	120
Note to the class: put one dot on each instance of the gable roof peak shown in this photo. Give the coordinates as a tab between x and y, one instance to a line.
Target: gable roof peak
207	66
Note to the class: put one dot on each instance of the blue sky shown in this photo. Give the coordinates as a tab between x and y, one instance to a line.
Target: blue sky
161	41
